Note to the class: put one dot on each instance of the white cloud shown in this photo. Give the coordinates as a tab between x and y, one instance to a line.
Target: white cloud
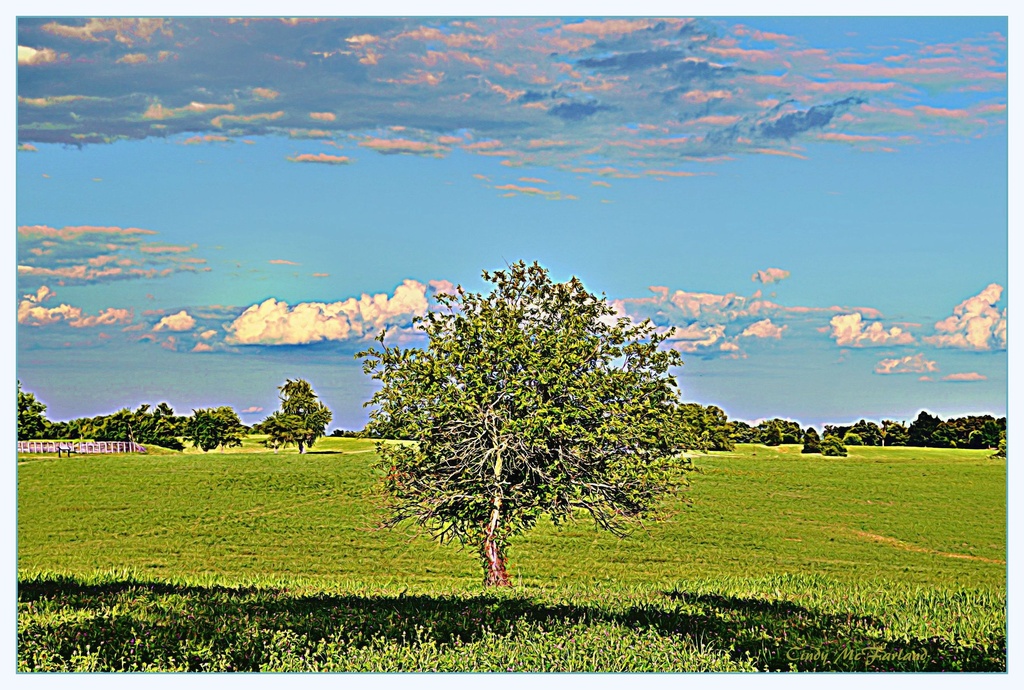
851	330
770	275
697	338
965	376
276	323
976	324
911	364
764	329
31	312
181	321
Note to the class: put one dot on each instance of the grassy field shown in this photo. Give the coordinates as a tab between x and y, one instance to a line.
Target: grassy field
248	560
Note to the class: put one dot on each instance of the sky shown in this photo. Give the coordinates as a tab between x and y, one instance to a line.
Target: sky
814	209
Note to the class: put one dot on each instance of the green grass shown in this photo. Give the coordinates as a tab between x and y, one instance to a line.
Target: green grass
247	560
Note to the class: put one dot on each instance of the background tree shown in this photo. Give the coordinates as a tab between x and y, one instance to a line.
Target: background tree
1001	447
282	430
215	427
921	429
703	428
869	433
298	400
741	432
832	446
529	400
852	438
32	422
774	432
143	426
812	443
893	433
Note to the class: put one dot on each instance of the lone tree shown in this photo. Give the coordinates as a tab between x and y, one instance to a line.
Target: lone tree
302	418
530	400
832	446
210	428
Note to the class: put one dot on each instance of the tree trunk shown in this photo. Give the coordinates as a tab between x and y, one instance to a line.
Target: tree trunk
495	574
302	448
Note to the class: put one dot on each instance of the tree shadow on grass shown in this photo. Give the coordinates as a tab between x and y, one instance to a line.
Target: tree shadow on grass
150	622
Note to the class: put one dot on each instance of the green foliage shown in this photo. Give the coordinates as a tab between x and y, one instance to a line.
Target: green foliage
32	423
703	428
812	444
282	430
921	429
157	426
528	401
125	622
1001	448
893	433
774	432
832	446
741	432
302	418
346	433
852	438
869	433
215	427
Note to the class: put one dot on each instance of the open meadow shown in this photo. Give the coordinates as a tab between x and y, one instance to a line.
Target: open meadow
889	559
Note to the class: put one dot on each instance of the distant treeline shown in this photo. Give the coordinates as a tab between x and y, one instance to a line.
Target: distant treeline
707	428
701	428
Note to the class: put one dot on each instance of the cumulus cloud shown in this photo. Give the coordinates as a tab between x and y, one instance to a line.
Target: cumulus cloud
850	330
976	323
911	364
181	321
32	56
31	312
770	275
764	329
276	323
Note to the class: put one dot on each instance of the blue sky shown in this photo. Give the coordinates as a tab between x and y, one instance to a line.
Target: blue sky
815	209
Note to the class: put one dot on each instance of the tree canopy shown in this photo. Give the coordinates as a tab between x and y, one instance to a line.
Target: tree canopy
528	400
301	420
31	416
215	427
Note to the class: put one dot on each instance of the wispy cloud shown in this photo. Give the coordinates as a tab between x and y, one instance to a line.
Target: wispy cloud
911	364
93	254
328	158
965	376
559	91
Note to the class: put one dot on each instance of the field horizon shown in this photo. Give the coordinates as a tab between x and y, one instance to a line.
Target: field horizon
887	559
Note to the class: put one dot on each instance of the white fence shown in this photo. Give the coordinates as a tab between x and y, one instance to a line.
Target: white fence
79	447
